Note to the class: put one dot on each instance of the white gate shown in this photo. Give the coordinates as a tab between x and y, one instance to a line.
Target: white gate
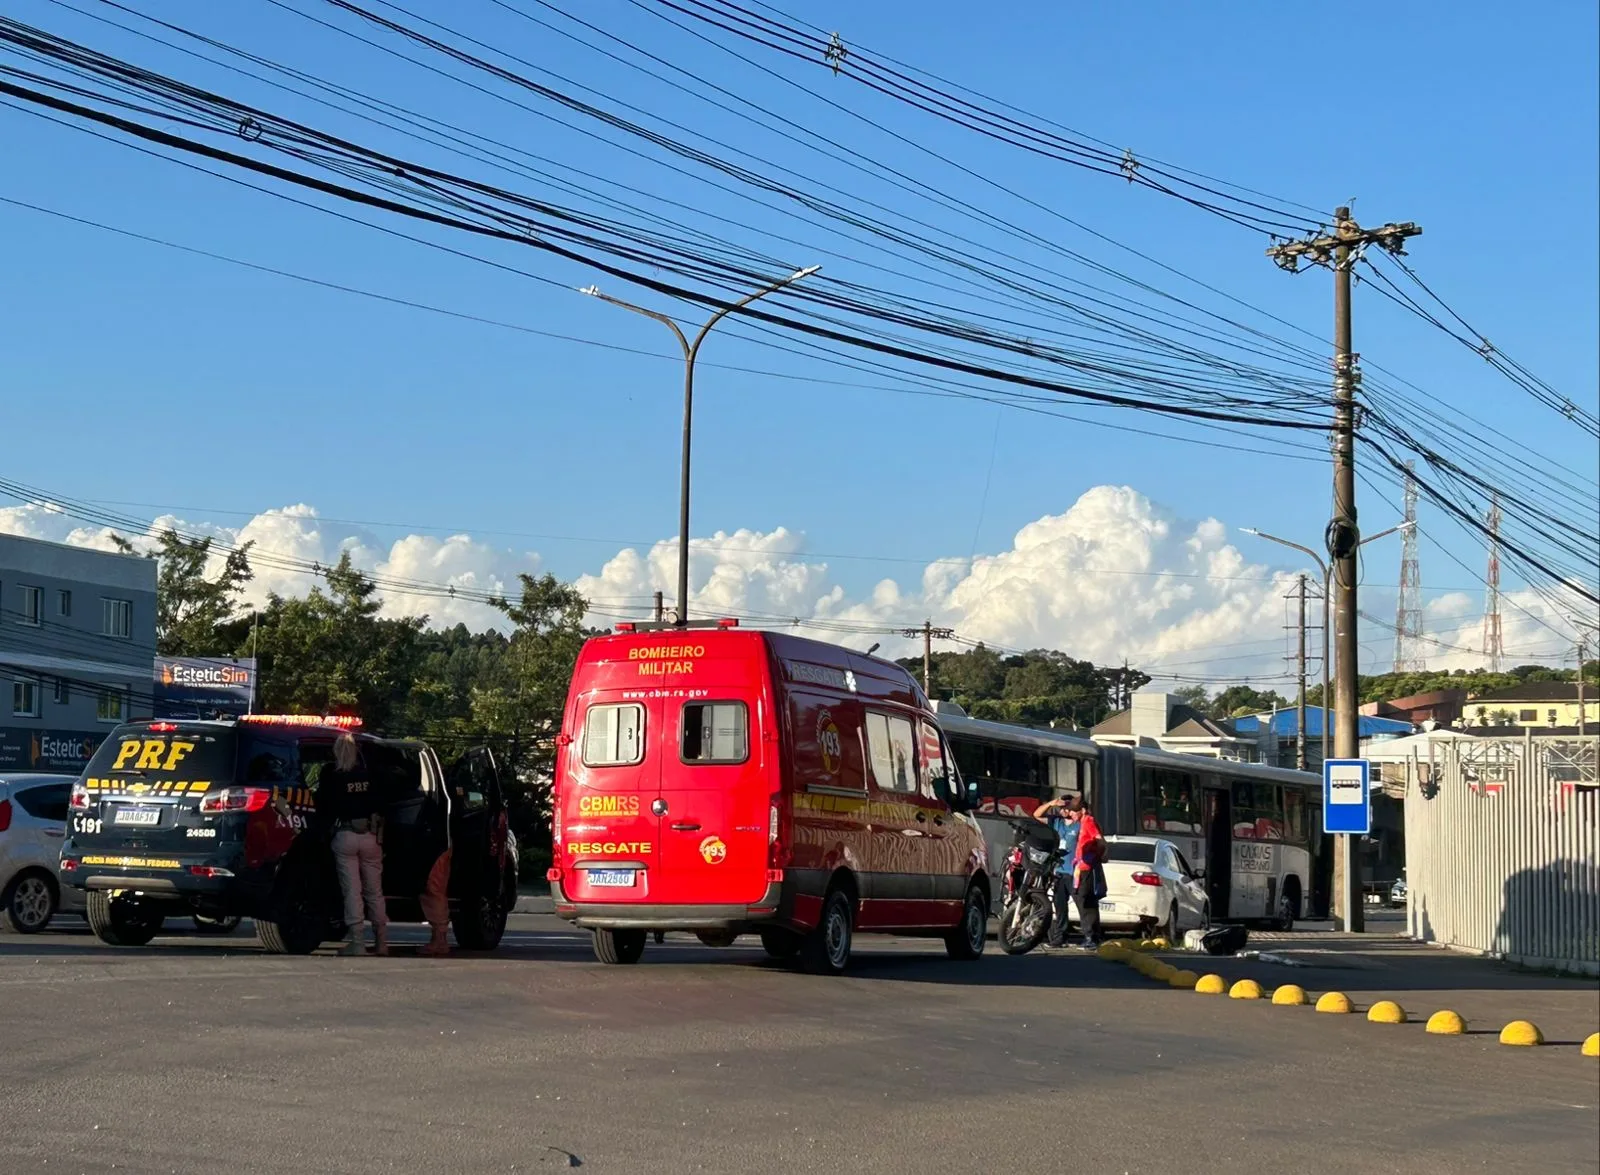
1505	861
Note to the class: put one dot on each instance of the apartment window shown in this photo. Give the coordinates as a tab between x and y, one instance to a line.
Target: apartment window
63	603
1527	715
61	693
116	618
25	698
32	605
111	706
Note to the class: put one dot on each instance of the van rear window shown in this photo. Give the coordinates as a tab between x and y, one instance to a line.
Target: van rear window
613	735
715	732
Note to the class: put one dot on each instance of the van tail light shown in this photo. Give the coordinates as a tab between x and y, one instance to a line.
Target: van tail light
5	815
80	796
235	799
1147	879
779	834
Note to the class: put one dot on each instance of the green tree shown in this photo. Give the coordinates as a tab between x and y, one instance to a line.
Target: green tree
1243	699
329	651
1195	696
195	616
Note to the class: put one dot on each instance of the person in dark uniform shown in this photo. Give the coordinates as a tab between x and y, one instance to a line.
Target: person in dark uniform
346	795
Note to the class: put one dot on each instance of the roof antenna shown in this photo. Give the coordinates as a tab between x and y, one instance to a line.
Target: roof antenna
873	649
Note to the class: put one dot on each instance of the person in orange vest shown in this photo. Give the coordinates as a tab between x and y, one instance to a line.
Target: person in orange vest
1088	870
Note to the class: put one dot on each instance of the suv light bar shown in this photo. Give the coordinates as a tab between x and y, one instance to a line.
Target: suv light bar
345	721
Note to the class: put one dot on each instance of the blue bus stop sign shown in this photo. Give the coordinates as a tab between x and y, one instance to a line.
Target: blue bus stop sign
1346	795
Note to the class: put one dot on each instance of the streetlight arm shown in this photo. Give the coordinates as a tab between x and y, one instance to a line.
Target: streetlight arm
594	292
692	349
1306	551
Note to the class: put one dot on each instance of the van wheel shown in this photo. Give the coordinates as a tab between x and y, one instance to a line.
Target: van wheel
618	946
122	920
826	950
29	902
967	940
299	919
716	938
780	943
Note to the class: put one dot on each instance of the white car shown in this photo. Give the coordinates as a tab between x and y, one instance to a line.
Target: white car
33	822
1151	888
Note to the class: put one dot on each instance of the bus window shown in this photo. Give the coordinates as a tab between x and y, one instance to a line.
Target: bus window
1294	808
1269	811
1244	811
1167	801
1064	775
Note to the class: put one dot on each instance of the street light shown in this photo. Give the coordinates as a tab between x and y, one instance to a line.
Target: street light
1345	853
690	350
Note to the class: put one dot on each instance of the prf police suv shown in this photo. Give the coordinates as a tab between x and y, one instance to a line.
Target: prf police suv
726	782
218	820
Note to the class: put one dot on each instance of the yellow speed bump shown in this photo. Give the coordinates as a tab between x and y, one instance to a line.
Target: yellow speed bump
1591	1046
1162	972
1187	980
1386	1012
1446	1023
1111	950
1522	1033
1245	989
1334	1001
1147	944
1211	985
1290	995
1161	944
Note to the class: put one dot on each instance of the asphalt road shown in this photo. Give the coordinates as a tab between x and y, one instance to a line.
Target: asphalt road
203	1055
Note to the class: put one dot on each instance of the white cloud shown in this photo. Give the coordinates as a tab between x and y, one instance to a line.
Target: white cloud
1114	576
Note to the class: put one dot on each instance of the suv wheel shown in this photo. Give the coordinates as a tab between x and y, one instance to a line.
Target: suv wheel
618	946
122	920
29	902
299	919
480	925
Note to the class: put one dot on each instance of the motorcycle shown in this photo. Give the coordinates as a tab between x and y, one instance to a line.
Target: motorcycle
1026	908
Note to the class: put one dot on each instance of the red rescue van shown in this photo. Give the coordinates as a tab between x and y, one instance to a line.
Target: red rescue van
728	782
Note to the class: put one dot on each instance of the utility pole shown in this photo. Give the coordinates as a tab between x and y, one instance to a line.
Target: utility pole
1300	706
1341	249
928	632
1582	726
661	608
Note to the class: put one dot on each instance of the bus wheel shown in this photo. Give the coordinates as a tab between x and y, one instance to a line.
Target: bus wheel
1285	919
966	941
780	943
618	946
826	950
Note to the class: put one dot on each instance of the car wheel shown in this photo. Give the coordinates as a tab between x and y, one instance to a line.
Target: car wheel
30	902
299	921
826	950
1205	916
121	920
1170	929
780	943
225	925
618	946
967	940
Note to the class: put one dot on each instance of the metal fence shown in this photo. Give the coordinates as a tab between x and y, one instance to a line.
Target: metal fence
1503	858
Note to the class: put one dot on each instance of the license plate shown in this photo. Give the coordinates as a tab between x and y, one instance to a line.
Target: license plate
616	878
146	817
1108	905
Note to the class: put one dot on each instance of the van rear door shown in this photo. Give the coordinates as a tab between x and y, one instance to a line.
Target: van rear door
715	796
609	834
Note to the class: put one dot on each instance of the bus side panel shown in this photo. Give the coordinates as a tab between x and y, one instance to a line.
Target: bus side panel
827	793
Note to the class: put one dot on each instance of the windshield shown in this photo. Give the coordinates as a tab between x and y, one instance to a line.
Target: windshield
1143	854
185	755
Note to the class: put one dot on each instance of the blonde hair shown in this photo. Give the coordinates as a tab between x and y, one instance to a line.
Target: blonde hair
345	753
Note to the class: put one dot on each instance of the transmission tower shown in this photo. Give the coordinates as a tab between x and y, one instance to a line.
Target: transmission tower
1492	648
1408	611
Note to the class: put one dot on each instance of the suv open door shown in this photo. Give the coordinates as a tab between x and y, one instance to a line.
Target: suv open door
483	878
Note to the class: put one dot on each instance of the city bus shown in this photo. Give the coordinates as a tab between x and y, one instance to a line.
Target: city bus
1253	831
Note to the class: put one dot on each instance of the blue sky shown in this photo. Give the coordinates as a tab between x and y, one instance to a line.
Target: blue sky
139	374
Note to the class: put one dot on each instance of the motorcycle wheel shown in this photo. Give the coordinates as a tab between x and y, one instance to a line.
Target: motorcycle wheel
1024	922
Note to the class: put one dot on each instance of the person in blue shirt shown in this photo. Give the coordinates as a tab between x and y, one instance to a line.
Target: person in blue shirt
1053	813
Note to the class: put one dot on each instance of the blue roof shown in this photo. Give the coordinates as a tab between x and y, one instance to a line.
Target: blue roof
1283	723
